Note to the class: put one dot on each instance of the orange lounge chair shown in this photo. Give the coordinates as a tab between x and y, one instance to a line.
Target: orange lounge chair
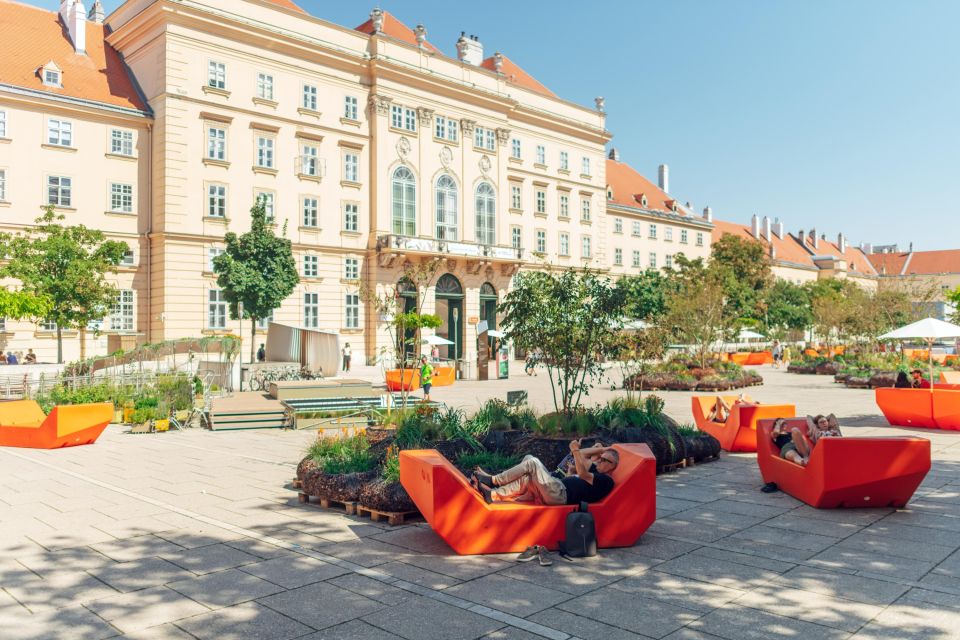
444	376
847	472
23	424
946	406
740	357
411	380
907	407
739	432
460	516
759	357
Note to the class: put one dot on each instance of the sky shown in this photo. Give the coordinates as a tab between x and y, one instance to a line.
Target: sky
839	115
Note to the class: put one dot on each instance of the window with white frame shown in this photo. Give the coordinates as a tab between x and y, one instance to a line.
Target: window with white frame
446	128
637	229
216	309
216	75
683	236
3	325
636	259
121	142
587	247
486	209
3	185
128	259
653	232
213	252
59	132
516	197
217	201
269	201
541	154
618	225
351	166
403	118
485	139
515	149
122	316
565	244
564	161
541	201
351	268
404	201
446	203
265	86
618	257
585	166
52	77
265	152
309	99
668	261
264	323
309	160
351	217
350	110
564	205
311	212
585	209
652	260
121	197
311	266
59	191
668	234
311	310
48	325
699	239
515	237
3	124
216	143
410	119
352	309
396	116
541	241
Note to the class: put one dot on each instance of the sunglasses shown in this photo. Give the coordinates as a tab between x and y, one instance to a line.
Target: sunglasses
607	460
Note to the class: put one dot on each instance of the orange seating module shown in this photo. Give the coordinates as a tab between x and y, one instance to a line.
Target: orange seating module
847	472
740	357
23	424
460	516
759	357
444	376
907	407
946	406
411	380
813	353
739	432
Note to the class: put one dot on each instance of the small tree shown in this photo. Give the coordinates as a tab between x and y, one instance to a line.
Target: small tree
573	317
644	294
17	305
697	312
257	271
744	270
788	307
66	266
953	297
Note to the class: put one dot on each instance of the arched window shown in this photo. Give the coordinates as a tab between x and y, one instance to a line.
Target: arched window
448	285
446	208
486	203
404	202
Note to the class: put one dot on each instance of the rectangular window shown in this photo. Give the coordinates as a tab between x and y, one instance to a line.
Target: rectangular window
309	160
216	75
446	129
564	206
3	325
587	249
410	119
350	108
309	101
217	201
311	310
351	268
515	237
216	310
565	244
636	229
653	260
396	116
51	77
311	266
564	161
121	198
59	191
541	201
541	154
59	132
351	217
269	201
485	139
618	257
216	143
352	308
668	234
585	166
618	225
403	118
212	252
122	314
265	86
265	152
541	241
128	259
668	261
121	142
311	212
516	197
264	323
585	210
699	239
636	259
3	185
48	325
3	124
351	167
653	232
683	236
515	149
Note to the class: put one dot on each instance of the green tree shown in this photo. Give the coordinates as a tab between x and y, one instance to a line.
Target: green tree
696	311
17	305
788	307
644	294
953	297
573	317
67	266
746	276
257	271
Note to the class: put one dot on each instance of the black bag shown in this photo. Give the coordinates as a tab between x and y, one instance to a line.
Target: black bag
581	539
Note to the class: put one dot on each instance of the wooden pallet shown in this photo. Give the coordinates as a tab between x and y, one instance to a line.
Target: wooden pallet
298	484
392	517
349	507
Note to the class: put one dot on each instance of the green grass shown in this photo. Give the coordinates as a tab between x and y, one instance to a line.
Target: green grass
490	461
350	454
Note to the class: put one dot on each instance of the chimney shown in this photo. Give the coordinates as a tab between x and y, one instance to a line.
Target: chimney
868	248
773	252
614	154
469	49
708	214
96	14
755	226
911	248
74	17
778	228
814	239
766	228
802	238
663	178
841	243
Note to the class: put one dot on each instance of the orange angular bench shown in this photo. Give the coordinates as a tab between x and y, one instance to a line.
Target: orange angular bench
946	406
759	357
444	376
847	472
459	515
740	358
23	424
739	432
907	407
411	380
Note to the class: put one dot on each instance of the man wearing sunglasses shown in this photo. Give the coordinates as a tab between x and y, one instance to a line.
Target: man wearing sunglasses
531	481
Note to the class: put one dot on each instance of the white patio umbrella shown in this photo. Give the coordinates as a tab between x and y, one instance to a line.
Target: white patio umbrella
747	334
436	340
929	330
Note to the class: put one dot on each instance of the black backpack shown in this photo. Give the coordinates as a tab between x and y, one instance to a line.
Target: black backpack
581	539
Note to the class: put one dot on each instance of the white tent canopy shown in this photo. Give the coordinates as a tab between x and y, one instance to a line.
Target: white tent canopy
929	329
747	334
436	340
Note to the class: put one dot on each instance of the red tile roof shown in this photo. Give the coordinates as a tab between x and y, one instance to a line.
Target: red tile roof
517	76
286	4
395	29
888	264
918	262
628	187
38	37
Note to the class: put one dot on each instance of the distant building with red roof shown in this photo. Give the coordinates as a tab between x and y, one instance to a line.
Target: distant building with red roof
937	269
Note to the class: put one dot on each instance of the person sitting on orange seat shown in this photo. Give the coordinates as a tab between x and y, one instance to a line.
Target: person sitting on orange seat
919	382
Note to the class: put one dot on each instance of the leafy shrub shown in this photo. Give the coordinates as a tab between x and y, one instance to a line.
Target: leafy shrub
391	465
342	454
689	431
490	461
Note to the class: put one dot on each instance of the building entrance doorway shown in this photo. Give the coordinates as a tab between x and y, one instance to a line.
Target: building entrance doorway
449	301
488	312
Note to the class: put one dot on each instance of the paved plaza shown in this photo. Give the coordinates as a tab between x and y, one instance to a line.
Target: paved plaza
199	535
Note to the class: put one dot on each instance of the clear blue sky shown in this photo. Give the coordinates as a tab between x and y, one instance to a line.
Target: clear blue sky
839	115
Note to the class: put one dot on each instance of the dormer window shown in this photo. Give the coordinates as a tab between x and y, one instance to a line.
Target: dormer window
51	75
609	193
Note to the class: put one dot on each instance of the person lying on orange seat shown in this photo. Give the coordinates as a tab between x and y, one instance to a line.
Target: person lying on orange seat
721	410
531	481
796	446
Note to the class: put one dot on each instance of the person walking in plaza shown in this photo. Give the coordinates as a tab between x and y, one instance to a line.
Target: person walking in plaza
777	354
426	377
347	353
261	353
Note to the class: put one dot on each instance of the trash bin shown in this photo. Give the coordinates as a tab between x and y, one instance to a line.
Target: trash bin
503	363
